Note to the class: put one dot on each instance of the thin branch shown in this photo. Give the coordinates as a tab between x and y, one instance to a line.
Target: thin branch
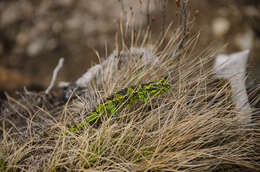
122	8
184	14
164	10
148	16
183	5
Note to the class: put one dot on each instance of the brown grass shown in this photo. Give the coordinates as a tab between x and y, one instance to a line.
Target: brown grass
193	127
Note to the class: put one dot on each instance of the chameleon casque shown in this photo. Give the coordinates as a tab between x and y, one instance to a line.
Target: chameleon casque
123	97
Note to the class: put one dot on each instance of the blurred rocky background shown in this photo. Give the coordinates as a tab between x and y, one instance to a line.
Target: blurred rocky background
35	34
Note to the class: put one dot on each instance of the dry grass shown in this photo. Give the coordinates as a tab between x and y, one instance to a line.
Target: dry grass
193	127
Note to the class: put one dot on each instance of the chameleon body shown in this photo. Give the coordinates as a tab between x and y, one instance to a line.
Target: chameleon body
124	97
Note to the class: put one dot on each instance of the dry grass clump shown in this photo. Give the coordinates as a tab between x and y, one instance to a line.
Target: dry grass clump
192	127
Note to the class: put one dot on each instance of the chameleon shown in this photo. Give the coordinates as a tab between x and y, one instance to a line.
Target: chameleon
123	97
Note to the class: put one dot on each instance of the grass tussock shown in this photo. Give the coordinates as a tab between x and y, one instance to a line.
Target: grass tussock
192	127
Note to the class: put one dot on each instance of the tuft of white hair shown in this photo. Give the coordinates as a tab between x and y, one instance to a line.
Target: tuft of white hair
233	68
147	58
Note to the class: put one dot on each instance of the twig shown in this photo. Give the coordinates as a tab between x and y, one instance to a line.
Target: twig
122	7
184	13
54	75
183	6
148	16
164	9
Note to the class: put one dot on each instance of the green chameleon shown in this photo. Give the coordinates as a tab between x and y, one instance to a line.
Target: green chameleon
124	97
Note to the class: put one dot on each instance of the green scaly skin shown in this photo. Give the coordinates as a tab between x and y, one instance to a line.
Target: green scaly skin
123	97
